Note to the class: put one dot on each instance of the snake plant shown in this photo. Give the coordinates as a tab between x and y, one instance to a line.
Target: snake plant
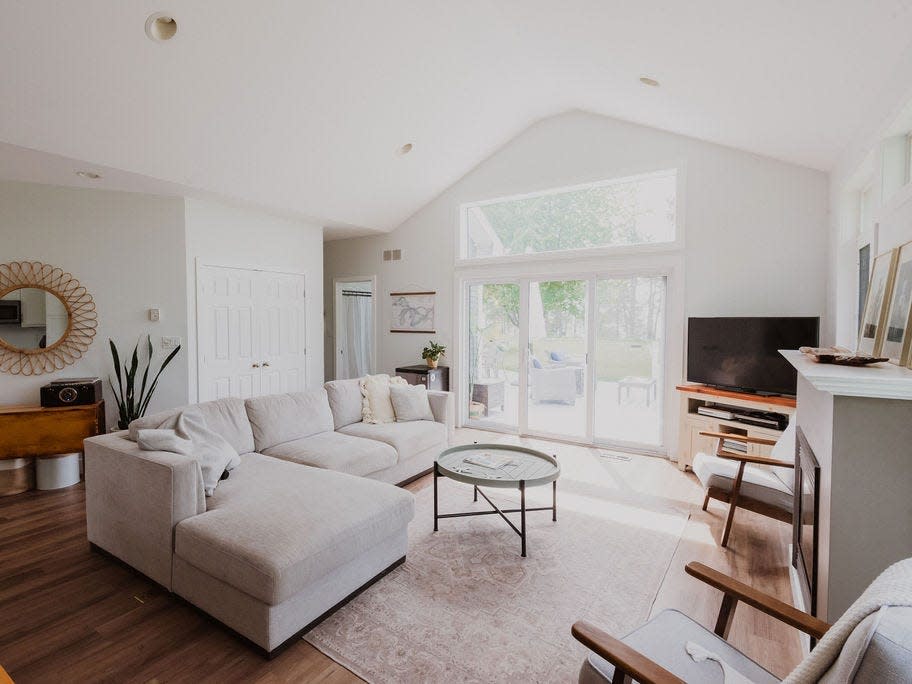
131	405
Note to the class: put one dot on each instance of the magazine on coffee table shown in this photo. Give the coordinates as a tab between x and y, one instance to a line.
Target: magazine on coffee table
486	460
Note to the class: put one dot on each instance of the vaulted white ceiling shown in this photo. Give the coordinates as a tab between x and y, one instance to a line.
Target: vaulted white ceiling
301	106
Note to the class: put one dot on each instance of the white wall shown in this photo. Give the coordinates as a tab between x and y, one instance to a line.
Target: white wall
128	251
756	235
219	234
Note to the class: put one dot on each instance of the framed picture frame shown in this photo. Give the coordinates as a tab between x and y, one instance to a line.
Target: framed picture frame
897	338
871	330
413	312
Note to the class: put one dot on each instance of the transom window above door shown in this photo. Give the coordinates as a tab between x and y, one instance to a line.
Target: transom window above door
622	212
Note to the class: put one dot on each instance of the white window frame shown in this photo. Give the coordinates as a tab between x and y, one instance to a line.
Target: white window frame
669	266
583	252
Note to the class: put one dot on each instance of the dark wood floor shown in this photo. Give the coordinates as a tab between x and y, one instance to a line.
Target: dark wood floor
70	614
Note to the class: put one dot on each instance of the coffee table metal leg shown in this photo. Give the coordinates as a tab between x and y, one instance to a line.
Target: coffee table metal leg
554	501
475	494
436	475
522	514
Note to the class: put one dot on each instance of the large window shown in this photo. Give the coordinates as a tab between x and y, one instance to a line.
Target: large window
638	210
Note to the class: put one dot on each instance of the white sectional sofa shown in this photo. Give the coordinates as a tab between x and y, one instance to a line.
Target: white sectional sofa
307	519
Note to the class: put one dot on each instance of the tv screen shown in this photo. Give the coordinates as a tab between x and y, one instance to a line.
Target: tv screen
743	353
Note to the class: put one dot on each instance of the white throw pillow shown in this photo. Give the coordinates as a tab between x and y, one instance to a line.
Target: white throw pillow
410	402
192	438
376	406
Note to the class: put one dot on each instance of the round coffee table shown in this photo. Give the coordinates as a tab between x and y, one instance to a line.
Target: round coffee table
509	467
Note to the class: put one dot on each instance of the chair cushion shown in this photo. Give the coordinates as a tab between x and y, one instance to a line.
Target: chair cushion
347	454
785	451
228	417
663	639
407	439
758	483
280	418
344	401
274	527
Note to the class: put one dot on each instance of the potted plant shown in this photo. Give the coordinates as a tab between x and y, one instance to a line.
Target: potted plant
131	405
432	353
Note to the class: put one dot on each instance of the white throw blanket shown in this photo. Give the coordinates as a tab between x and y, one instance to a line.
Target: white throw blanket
729	674
188	434
893	587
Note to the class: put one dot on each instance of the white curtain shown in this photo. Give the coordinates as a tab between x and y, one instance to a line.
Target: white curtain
356	343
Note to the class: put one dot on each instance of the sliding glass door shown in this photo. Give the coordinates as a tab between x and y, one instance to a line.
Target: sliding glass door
629	359
557	401
493	353
579	358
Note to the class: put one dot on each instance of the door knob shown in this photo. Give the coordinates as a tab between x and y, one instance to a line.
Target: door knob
256	365
265	363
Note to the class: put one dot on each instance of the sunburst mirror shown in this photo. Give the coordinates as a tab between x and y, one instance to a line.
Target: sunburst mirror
47	319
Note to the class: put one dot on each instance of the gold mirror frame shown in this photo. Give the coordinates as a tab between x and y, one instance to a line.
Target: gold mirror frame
82	320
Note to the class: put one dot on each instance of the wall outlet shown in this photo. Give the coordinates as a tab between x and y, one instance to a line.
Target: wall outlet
155	315
171	342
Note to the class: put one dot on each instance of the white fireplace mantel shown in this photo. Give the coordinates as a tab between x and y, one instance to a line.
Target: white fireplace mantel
877	381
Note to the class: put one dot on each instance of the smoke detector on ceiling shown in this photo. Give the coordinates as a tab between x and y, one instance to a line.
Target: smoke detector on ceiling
161	26
90	175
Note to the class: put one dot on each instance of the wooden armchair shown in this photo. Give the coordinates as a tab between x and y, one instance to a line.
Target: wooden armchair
655	653
735	478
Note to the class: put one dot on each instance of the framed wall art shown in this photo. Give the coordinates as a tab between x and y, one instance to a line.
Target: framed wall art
897	339
870	335
413	312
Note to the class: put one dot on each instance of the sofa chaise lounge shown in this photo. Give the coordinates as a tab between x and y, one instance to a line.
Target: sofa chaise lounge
307	519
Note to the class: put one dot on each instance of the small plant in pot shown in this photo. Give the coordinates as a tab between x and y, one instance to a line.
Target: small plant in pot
432	353
130	403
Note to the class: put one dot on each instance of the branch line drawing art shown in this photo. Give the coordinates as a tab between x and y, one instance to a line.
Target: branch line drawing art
413	312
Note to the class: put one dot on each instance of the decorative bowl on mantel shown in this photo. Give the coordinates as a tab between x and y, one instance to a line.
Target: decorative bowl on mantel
839	356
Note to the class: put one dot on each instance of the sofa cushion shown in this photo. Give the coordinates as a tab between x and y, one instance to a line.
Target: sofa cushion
758	483
407	439
376	406
228	417
347	454
274	527
344	401
280	418
410	402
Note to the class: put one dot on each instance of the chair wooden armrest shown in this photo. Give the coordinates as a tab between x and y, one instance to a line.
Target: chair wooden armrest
740	438
747	458
624	658
738	591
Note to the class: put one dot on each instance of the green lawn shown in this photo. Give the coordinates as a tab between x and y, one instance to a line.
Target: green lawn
615	358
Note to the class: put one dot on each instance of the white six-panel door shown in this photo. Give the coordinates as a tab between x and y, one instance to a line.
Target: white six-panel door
250	332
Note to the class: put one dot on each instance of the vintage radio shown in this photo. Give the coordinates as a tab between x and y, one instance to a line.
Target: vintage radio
71	392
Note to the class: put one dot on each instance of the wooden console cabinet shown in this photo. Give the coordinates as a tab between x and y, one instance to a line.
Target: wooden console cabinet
691	442
30	431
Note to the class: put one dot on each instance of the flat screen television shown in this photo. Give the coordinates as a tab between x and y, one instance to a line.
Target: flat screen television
743	353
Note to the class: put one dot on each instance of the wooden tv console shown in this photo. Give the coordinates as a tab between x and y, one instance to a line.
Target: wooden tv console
690	442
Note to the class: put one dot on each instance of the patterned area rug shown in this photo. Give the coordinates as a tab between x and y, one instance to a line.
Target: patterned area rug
465	607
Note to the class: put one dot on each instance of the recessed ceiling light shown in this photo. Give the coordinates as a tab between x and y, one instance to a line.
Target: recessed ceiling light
645	80
161	26
405	149
91	175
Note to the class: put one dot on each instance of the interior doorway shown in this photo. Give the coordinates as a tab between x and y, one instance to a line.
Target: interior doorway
355	316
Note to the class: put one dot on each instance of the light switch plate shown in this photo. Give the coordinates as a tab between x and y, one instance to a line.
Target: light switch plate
155	315
171	342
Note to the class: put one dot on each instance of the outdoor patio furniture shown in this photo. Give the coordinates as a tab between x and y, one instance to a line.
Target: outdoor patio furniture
490	393
632	382
554	383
